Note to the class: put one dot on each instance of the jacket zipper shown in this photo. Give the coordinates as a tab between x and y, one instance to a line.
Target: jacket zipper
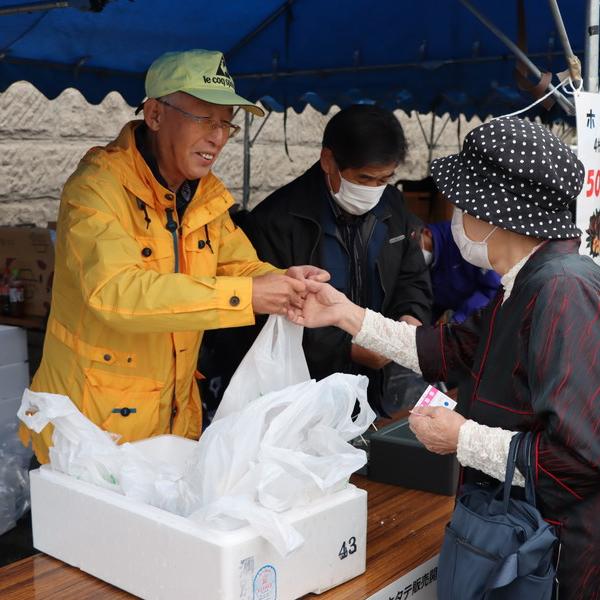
172	227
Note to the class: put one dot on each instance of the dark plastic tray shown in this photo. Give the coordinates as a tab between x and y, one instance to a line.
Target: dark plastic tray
397	457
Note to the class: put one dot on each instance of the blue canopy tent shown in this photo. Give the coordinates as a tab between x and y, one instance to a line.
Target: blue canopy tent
424	56
431	56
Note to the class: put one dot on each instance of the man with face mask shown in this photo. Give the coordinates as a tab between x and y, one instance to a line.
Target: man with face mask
342	216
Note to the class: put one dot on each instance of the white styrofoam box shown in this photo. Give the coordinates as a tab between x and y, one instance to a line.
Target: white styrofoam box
13	380
158	555
13	345
8	410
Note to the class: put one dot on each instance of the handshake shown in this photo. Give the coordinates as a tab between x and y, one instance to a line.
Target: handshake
305	298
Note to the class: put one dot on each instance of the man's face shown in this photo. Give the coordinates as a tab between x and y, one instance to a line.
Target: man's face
187	148
369	175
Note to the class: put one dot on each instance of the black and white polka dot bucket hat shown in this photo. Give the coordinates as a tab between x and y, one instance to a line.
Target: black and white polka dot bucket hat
514	174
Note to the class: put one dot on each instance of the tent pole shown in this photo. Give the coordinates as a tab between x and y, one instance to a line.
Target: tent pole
590	63
564	103
431	143
572	60
33	7
285	7
246	188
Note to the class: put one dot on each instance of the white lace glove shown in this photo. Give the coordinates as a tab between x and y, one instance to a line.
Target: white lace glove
486	449
395	340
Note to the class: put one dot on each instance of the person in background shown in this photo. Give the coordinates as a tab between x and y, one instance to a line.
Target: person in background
342	216
147	258
529	360
459	288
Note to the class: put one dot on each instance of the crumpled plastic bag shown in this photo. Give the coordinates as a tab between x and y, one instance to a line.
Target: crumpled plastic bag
83	450
14	477
284	450
280	442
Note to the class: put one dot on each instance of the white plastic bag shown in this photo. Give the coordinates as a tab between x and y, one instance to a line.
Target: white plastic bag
281	442
81	449
14	477
284	450
274	361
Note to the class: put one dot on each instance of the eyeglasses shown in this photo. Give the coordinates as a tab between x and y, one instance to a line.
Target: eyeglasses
206	123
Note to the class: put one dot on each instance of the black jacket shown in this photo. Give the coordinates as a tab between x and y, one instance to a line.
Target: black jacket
286	229
533	363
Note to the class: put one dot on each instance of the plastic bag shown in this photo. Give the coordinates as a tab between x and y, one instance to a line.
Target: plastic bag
14	477
282	443
284	450
275	361
81	449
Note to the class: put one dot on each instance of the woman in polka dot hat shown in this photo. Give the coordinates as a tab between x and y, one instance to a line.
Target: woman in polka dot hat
531	359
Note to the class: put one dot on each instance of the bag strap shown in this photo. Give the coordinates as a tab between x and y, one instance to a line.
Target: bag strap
520	444
511	463
527	445
527	558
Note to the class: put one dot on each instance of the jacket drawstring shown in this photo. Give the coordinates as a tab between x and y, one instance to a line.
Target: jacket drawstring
142	206
208	239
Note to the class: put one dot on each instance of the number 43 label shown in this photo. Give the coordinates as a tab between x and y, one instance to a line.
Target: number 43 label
347	548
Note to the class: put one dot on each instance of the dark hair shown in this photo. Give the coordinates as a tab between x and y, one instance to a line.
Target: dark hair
362	135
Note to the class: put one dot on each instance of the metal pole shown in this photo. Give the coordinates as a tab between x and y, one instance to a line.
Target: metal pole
33	7
564	103
572	60
246	190
590	63
431	143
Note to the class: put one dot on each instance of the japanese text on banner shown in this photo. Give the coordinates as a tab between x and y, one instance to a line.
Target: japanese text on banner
588	151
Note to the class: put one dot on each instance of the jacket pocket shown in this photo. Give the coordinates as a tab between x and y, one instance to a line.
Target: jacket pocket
201	251
157	254
122	404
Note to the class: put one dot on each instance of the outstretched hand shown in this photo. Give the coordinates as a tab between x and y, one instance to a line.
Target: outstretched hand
304	272
324	306
277	294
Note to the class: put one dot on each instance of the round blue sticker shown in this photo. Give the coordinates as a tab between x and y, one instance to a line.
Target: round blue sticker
265	583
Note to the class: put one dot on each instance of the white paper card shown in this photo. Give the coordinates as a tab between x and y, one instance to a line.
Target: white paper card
433	397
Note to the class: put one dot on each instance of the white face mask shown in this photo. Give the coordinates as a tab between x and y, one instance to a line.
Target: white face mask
475	253
357	199
428	256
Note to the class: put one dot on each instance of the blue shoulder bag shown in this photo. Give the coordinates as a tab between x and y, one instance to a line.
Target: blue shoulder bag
497	547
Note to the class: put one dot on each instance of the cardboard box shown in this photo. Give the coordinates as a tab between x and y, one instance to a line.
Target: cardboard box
157	555
13	345
31	251
397	457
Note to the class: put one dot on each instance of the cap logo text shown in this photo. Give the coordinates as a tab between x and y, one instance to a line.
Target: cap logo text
226	81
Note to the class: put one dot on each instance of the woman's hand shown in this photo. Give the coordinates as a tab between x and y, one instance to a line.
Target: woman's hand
436	428
324	306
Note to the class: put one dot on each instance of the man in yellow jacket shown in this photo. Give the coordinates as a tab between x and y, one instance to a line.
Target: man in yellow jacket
147	258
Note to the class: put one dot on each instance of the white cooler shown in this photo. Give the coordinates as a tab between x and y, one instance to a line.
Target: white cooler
155	554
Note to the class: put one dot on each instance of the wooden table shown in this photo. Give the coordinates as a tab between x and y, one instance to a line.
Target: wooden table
404	529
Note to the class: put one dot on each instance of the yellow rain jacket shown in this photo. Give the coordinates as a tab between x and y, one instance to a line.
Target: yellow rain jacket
134	290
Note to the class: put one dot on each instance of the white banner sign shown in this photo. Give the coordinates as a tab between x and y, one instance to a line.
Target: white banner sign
420	584
588	151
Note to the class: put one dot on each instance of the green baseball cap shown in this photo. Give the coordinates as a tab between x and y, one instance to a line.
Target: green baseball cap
200	73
